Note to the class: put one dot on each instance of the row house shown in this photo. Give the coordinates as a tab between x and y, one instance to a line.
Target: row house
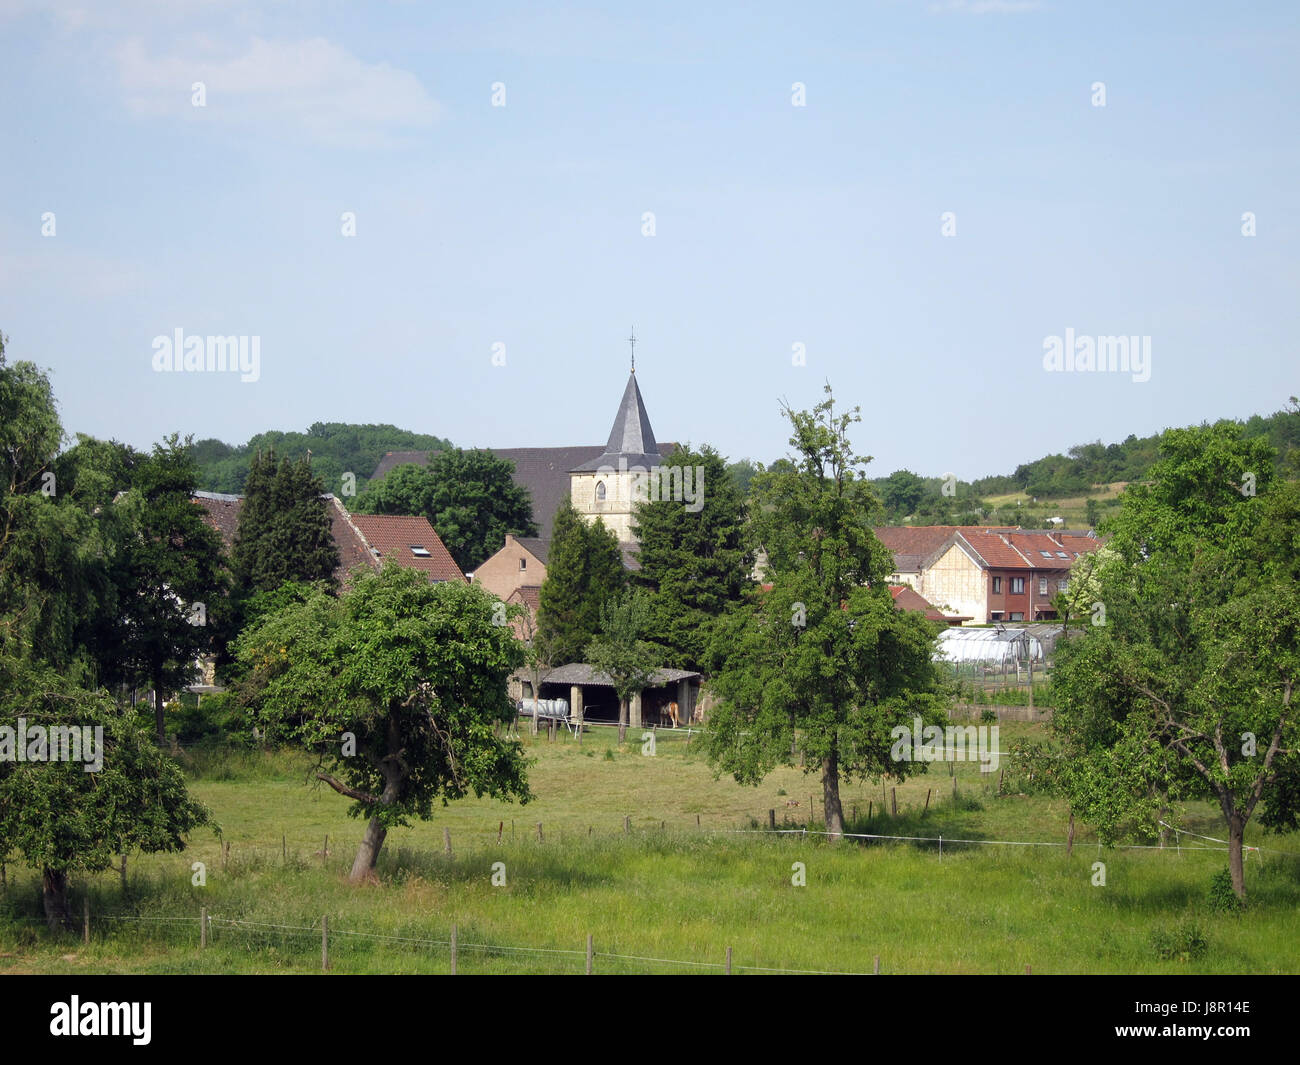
1001	575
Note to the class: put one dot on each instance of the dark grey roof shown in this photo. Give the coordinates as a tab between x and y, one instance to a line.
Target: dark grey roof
542	471
631	438
535	545
582	673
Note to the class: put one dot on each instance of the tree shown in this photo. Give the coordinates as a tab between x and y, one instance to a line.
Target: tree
584	568
168	575
473	502
284	529
903	492
621	653
1188	688
398	684
695	563
822	658
404	490
66	816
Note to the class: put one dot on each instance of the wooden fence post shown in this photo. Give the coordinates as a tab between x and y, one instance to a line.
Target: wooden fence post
325	943
771	820
501	827
728	961
446	840
453	948
1029	971
1069	837
284	849
875	968
325	850
893	795
589	954
85	920
124	872
539	832
871	806
203	928
927	802
627	824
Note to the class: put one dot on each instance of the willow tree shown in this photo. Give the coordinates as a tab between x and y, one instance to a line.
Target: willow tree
820	659
399	686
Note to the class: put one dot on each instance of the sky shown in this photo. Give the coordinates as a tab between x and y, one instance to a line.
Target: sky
908	199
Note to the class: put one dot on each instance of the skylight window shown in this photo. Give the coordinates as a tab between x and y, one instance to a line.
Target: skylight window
1062	554
1045	554
420	551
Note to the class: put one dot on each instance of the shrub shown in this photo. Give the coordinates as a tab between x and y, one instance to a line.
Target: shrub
1184	942
1222	899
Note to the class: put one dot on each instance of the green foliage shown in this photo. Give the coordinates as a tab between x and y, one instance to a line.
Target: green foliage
1221	898
620	651
284	527
337	448
1183	942
695	563
822	659
583	571
902	492
415	672
63	819
1200	649
469	497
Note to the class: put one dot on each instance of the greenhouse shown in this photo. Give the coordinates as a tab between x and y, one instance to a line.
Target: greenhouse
999	649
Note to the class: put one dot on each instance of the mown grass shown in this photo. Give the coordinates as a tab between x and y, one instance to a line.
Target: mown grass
669	888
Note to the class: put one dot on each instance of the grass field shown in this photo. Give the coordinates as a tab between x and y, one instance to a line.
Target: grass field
671	888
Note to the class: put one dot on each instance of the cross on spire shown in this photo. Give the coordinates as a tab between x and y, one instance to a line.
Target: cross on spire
632	340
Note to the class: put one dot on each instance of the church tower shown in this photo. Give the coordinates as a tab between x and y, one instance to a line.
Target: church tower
604	486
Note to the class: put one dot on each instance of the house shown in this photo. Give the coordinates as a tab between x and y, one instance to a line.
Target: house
363	540
1001	575
514	575
907	598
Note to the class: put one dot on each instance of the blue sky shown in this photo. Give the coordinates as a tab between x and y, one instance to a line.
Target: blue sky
774	224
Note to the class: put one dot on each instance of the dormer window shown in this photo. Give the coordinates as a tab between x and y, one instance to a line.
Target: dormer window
600	491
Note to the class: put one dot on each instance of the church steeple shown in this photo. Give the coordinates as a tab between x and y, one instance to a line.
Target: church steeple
631	434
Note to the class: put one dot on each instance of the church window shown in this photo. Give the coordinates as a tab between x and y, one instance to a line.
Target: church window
600	491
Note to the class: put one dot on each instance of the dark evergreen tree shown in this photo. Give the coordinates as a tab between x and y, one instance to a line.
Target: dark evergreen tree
695	563
284	527
583	570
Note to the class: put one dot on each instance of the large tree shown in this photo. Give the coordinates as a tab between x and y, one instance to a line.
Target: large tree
469	496
284	529
168	574
584	569
399	685
1188	688
821	659
693	556
66	816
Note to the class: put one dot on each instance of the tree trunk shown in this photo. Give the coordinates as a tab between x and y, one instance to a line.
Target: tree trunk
622	720
54	884
831	797
1236	834
368	852
158	710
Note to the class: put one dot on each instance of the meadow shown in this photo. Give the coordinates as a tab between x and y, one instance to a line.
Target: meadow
692	871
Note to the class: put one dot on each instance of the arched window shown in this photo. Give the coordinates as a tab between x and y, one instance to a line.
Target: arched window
600	491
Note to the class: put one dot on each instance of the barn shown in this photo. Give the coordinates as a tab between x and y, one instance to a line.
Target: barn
592	695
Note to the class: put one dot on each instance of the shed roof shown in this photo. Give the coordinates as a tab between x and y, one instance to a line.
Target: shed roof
582	673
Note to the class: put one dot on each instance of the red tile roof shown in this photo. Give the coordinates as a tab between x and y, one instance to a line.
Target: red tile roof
913	544
908	598
393	535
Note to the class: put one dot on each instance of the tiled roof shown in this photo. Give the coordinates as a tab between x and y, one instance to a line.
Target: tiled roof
535	546
908	598
529	595
631	438
913	544
222	514
582	673
398	458
393	535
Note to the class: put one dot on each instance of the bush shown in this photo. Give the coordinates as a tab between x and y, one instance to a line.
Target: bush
1185	942
988	716
1222	899
211	719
